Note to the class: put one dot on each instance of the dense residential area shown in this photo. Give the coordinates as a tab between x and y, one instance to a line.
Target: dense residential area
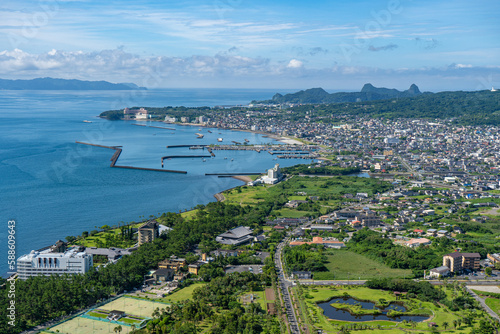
393	226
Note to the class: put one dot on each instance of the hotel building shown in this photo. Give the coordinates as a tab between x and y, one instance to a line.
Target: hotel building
53	261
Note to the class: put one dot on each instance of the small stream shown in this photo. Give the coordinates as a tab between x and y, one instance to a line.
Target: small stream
338	314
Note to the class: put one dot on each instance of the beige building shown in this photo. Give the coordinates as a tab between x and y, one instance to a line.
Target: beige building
148	232
460	261
174	263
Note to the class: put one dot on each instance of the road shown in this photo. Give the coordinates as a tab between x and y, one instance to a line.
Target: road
483	304
409	168
284	284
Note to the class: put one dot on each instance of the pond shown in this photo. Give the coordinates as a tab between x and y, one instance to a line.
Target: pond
338	314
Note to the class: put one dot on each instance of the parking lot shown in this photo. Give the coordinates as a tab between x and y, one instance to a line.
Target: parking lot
254	268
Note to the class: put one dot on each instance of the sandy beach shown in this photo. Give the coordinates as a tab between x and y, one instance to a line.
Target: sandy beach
243	178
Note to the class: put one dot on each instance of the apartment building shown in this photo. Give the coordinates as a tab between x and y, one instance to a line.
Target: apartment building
459	261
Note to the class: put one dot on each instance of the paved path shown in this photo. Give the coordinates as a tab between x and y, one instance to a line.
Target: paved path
483	304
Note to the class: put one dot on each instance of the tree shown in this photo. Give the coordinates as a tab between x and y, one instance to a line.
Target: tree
70	238
488	271
445	325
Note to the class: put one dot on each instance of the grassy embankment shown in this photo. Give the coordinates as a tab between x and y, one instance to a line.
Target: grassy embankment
343	264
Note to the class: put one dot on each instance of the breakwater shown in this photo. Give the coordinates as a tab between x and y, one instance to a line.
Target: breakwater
153	126
117	153
179	146
231	174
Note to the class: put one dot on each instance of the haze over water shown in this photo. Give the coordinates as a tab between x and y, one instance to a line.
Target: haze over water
53	187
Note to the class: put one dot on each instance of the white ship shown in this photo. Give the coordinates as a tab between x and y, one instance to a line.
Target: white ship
219	139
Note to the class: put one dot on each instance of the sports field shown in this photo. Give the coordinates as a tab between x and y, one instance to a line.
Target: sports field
134	306
81	325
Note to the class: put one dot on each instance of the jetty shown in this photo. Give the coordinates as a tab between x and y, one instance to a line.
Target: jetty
289	152
179	146
296	156
117	153
153	126
232	174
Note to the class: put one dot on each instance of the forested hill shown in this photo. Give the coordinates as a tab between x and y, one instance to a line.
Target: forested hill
63	84
319	95
468	108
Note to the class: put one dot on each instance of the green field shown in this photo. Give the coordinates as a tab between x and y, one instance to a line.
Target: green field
189	214
292	213
329	189
343	264
297	198
259	297
100	239
246	195
494	304
183	294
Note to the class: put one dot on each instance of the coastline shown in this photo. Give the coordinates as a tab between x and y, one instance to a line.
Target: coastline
285	140
243	178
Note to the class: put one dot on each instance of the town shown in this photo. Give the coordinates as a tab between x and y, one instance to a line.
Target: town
424	203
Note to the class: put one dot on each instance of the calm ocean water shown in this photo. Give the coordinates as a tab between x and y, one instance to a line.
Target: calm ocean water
53	187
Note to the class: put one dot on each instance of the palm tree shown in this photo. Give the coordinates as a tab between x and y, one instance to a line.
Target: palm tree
455	323
445	325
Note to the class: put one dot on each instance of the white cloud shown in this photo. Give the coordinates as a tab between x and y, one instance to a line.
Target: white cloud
232	70
294	63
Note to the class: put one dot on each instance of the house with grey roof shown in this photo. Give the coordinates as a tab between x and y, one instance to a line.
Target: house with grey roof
237	236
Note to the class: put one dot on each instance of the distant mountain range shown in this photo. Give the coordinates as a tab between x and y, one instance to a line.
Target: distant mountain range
319	95
63	84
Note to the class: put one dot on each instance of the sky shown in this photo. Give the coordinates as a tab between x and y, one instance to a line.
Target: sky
338	45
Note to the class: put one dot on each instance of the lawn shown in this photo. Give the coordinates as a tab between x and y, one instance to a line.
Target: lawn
189	214
259	297
343	264
99	239
98	315
183	294
292	213
297	198
494	304
246	195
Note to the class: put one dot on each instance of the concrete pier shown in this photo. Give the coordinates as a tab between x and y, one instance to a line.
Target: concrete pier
231	174
117	153
178	146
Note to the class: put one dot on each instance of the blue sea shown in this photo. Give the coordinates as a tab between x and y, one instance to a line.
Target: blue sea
53	187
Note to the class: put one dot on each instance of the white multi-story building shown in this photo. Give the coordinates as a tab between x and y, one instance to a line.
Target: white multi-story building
48	262
391	140
273	176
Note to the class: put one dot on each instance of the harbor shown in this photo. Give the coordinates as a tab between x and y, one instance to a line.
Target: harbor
117	153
